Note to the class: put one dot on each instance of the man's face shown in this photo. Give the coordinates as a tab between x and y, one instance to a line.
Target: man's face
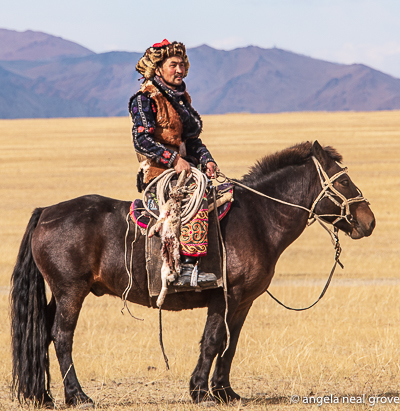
172	71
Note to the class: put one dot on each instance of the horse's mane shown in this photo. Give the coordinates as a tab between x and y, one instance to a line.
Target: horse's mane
295	155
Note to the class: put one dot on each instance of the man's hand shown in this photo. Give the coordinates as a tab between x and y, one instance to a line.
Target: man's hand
180	164
212	169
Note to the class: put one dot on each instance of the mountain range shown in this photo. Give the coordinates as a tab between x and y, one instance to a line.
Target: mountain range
46	76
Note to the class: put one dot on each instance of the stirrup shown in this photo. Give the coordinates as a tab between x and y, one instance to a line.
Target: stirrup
191	276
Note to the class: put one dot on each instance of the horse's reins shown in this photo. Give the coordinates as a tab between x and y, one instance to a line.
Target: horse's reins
327	191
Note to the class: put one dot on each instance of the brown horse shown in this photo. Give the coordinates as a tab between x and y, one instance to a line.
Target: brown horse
77	247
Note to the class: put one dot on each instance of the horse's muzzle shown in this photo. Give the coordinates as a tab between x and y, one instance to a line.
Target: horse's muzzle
364	222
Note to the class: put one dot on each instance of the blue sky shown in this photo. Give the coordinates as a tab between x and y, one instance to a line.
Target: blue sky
343	31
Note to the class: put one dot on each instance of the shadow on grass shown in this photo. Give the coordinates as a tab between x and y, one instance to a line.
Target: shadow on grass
264	400
245	402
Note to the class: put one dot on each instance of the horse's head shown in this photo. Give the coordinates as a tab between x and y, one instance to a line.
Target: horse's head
340	202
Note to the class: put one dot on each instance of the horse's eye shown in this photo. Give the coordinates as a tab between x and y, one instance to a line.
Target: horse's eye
345	183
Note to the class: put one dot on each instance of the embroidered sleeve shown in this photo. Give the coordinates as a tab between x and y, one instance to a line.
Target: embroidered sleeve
143	112
196	148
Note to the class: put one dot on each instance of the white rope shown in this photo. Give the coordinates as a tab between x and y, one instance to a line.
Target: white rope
129	272
314	217
69	369
326	184
191	202
329	191
264	195
128	288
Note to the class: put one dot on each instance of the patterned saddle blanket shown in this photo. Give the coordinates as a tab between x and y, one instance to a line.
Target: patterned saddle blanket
142	218
212	262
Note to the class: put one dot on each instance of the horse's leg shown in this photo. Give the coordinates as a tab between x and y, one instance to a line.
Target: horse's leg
213	337
220	384
62	333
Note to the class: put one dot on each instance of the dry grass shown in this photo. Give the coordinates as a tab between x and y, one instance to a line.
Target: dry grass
346	345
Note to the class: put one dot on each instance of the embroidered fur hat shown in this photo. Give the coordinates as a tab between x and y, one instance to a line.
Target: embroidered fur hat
157	53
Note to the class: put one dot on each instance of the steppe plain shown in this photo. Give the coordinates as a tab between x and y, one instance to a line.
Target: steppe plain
345	347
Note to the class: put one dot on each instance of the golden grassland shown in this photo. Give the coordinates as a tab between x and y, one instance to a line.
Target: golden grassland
345	346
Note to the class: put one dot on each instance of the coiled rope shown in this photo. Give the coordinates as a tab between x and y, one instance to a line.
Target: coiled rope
194	194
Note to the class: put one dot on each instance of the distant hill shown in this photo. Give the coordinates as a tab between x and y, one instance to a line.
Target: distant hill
46	76
19	100
34	45
257	80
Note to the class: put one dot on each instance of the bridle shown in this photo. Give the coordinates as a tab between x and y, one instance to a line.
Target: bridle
327	191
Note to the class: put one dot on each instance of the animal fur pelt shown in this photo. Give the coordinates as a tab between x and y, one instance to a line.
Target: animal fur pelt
169	226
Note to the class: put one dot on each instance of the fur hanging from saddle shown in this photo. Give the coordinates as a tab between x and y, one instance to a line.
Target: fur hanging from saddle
169	226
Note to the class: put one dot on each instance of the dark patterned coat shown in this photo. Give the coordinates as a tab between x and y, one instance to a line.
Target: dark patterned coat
164	124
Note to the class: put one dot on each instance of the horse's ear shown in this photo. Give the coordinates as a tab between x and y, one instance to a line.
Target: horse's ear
320	154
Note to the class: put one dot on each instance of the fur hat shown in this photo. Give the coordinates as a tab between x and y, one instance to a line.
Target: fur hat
157	53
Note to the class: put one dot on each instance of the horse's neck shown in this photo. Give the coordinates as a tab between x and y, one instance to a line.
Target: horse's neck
284	223
294	185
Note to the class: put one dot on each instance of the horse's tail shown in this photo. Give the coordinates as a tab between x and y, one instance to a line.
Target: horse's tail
29	332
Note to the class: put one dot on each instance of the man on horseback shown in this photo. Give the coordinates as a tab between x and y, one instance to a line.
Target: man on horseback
166	132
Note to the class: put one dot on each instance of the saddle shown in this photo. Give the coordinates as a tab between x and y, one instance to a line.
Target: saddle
212	262
142	218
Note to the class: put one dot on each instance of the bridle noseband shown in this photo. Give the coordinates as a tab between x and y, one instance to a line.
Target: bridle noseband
329	191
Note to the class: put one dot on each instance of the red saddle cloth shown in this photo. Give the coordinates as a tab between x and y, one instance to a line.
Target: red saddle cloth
212	262
141	217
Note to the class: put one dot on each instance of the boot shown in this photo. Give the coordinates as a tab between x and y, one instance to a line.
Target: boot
189	264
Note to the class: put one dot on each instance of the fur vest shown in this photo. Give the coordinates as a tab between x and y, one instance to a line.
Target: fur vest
168	131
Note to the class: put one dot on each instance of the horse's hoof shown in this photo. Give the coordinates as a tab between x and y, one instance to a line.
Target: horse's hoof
80	402
225	395
49	405
201	396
